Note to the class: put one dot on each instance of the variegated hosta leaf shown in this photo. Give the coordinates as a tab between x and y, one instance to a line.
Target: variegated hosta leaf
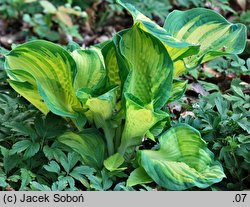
111	63
123	64
89	144
177	49
139	119
138	177
183	160
185	32
91	70
151	68
28	89
147	87
114	162
215	35
50	70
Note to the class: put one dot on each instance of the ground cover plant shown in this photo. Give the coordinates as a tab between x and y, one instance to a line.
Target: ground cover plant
98	118
226	130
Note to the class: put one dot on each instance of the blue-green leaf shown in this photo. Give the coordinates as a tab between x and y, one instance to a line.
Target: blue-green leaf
91	70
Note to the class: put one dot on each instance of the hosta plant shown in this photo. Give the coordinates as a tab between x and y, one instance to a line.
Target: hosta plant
120	88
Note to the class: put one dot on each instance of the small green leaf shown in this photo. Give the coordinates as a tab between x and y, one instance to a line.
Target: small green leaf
26	177
49	7
80	173
53	167
59	185
209	86
39	187
4	51
102	183
3	182
21	128
83	170
114	162
73	46
106	181
248	63
49	126
178	89
150	136
20	146
31	150
9	161
236	87
71	182
222	106
243	122
70	162
14	178
138	176
53	153
95	182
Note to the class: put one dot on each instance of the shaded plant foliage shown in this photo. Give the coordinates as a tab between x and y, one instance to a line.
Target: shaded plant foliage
223	120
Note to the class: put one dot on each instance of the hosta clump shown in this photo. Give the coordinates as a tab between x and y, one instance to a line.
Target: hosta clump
121	87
